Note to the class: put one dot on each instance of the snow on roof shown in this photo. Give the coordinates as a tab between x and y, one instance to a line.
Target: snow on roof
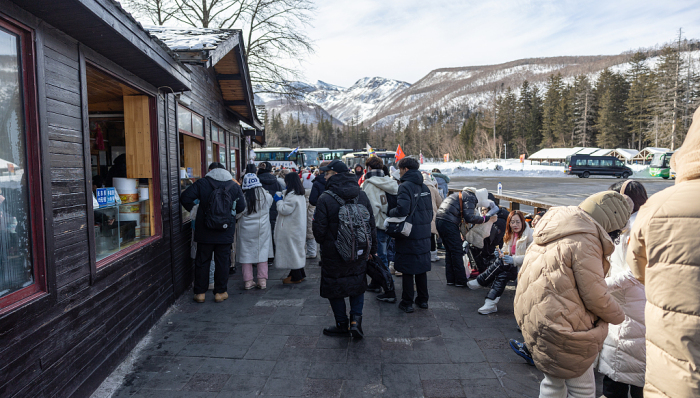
601	152
586	151
554	153
183	39
651	149
627	153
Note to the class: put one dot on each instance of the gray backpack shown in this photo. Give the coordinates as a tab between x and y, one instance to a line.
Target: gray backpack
354	230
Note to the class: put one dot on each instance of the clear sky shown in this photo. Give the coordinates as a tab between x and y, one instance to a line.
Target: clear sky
406	39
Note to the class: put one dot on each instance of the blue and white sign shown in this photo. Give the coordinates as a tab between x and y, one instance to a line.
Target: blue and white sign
106	196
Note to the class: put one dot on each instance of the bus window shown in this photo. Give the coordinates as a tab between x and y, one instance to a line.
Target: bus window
580	162
619	163
593	162
606	163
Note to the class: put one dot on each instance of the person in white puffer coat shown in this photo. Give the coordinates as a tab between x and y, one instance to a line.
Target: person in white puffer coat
253	232
622	360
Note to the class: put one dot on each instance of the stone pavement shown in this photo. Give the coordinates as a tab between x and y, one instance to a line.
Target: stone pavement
270	343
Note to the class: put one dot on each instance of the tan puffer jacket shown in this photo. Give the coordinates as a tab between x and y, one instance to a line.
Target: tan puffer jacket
664	254
435	197
309	215
561	302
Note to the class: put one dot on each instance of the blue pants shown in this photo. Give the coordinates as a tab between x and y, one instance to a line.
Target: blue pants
339	308
382	244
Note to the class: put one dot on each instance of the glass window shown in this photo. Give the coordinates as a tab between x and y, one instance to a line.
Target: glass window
593	162
16	260
606	163
184	119
123	163
198	125
618	163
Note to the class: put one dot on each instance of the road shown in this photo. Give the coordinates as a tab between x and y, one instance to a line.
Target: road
566	191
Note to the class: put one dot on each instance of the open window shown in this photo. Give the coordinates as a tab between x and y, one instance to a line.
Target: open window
22	267
191	133
123	155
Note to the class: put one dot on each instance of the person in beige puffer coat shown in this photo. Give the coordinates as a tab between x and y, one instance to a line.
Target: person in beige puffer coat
664	254
561	303
432	185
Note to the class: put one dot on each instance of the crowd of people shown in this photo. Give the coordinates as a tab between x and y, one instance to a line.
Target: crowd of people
610	284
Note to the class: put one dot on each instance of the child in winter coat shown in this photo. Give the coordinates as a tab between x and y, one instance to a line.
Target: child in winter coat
253	230
623	358
561	303
290	231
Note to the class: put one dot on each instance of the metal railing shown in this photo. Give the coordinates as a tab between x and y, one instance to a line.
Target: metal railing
515	202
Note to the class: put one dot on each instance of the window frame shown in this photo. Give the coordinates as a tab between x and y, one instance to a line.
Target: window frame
202	145
34	176
114	258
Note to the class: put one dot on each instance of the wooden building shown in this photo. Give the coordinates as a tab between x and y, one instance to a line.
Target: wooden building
90	101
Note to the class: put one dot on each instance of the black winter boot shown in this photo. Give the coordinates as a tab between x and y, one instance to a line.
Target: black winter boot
339	330
356	326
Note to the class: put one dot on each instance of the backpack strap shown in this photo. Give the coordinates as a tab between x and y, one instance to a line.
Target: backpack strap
336	197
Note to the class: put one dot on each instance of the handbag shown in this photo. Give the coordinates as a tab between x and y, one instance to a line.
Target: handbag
398	227
380	273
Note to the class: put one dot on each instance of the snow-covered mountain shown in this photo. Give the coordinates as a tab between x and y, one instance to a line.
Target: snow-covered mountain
381	102
356	103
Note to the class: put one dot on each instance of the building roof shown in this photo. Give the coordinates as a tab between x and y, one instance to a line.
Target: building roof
223	50
585	151
554	153
105	27
648	152
626	153
601	152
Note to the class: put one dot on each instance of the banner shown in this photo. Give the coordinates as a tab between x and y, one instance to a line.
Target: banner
446	157
522	158
421	158
399	154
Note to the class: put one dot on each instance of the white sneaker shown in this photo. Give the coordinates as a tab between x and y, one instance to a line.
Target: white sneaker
473	284
434	256
249	285
489	307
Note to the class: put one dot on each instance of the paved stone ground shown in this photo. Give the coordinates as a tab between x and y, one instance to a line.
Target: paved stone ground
270	343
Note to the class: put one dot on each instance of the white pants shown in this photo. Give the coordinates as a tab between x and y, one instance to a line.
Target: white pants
580	387
311	247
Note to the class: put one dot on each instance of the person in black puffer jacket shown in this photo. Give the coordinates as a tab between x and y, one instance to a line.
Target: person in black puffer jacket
413	252
209	240
448	221
340	279
271	185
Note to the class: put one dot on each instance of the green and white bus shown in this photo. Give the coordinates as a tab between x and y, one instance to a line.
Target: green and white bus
661	165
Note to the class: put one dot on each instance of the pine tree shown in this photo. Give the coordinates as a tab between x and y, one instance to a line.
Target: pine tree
637	104
664	99
552	98
583	111
468	134
612	89
564	118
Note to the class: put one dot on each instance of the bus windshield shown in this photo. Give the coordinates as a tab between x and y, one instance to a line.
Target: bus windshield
310	157
660	161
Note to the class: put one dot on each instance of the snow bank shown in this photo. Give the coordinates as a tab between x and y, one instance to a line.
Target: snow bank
512	168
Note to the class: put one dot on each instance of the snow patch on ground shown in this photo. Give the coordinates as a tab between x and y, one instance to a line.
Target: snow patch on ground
511	168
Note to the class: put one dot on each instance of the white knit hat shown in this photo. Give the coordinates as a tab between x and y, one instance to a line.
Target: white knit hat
250	181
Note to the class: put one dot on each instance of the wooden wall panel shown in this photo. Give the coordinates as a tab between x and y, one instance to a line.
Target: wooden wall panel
137	129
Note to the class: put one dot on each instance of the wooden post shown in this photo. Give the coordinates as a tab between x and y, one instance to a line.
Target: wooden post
514	206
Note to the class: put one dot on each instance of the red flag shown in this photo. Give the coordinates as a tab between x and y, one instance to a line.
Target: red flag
421	158
399	154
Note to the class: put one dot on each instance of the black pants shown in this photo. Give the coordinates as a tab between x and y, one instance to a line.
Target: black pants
497	276
614	389
297	274
454	264
421	285
433	242
222	261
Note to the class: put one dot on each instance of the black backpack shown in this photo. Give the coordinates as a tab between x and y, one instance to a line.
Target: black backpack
354	239
218	214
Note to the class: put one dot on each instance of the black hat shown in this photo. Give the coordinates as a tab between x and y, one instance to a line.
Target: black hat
336	165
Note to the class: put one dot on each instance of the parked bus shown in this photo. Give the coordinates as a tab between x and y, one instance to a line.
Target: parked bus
331	154
661	165
388	157
313	156
282	157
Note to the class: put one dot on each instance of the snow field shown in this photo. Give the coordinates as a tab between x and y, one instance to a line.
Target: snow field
511	168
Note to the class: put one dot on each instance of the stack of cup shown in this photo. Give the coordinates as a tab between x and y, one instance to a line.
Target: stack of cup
127	188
